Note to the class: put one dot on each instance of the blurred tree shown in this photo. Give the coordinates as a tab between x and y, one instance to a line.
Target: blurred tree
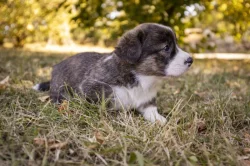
25	21
168	13
108	19
17	20
92	19
225	17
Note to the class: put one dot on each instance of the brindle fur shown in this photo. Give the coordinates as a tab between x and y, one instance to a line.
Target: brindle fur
139	51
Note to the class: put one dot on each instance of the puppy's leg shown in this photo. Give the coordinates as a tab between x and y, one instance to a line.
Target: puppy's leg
150	113
57	95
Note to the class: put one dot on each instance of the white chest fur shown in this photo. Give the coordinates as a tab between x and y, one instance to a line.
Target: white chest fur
146	90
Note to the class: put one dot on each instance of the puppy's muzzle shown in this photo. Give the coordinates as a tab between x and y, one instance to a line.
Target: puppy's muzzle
189	61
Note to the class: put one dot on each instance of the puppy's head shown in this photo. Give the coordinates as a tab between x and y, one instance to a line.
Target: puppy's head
153	50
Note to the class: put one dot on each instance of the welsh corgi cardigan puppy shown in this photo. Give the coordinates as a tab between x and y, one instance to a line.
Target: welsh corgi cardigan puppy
130	75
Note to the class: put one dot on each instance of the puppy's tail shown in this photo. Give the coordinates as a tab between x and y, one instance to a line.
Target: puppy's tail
44	86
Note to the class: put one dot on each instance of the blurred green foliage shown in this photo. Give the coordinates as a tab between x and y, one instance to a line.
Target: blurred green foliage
225	17
108	19
103	21
25	21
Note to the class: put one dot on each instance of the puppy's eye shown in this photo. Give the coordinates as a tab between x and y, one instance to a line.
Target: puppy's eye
167	48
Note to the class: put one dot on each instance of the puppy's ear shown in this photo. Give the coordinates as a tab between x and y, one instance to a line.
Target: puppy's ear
129	47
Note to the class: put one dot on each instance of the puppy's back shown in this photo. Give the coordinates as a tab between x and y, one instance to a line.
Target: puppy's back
77	63
72	70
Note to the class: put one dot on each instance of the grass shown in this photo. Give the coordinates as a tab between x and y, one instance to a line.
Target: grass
208	112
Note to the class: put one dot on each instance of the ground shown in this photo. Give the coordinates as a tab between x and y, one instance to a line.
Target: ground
208	112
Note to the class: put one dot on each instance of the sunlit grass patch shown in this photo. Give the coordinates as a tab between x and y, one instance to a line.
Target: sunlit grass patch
208	112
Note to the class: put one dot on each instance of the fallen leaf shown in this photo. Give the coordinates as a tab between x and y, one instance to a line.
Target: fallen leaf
39	141
176	92
4	82
201	126
99	137
200	94
43	98
247	137
52	144
42	141
63	106
246	150
71	151
2	86
59	145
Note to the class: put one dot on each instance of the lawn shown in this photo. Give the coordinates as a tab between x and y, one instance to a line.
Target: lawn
208	112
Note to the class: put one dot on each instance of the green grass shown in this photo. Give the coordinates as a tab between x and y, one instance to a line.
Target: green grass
208	112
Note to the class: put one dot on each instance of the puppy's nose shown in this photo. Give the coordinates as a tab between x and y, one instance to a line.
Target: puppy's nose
189	61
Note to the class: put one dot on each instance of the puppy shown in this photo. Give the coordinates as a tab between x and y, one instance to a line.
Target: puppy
130	76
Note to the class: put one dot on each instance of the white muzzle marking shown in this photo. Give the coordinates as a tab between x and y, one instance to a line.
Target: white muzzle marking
177	66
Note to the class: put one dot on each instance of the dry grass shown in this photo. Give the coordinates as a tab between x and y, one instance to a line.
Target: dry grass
208	112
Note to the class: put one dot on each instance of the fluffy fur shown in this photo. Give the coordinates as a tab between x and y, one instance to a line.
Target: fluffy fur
130	76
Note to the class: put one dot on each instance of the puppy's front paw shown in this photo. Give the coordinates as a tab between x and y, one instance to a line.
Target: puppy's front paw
161	119
151	114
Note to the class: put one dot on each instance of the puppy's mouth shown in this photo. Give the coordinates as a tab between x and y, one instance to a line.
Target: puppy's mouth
176	71
179	65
